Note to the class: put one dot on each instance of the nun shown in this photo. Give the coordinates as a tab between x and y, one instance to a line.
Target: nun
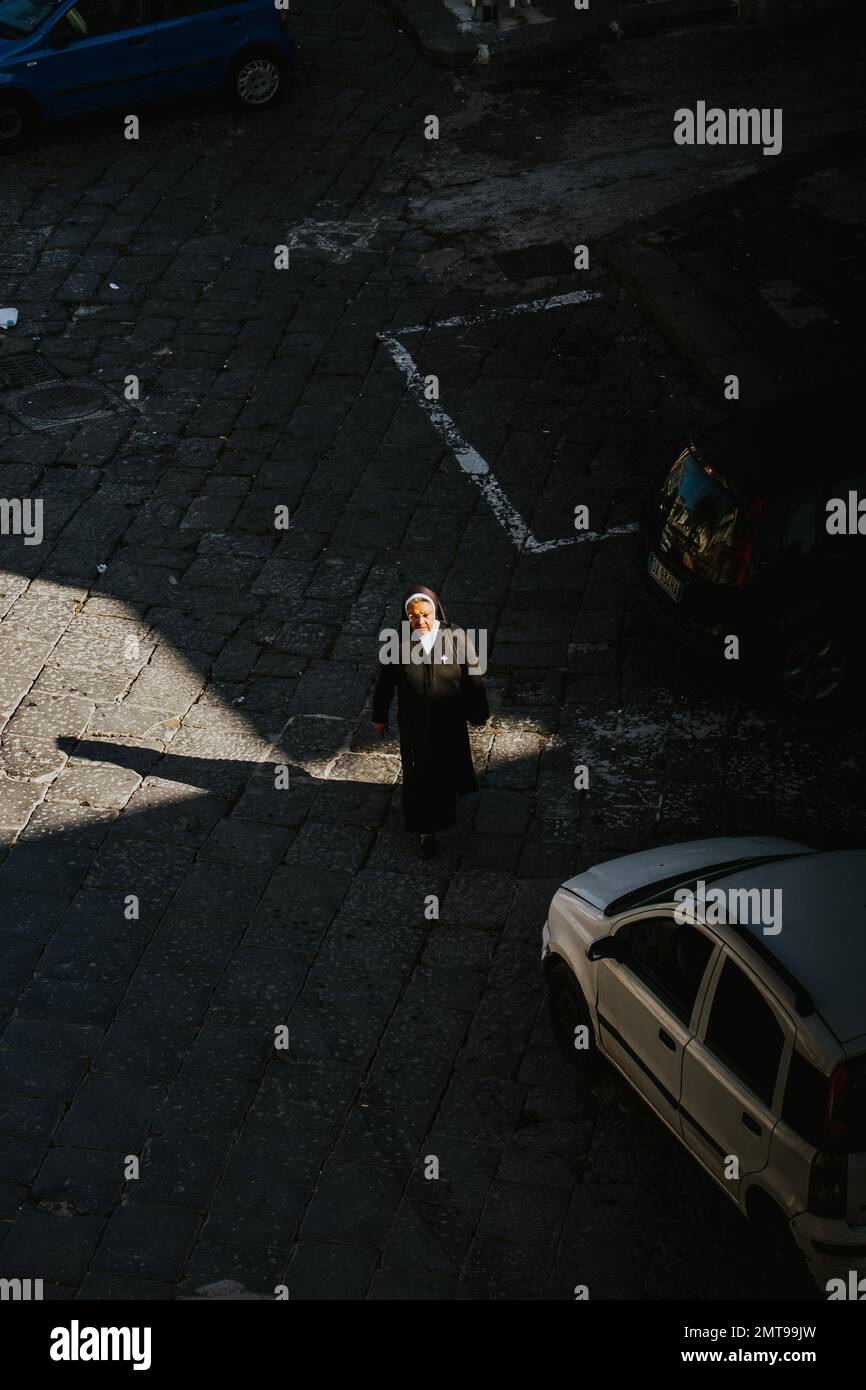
437	693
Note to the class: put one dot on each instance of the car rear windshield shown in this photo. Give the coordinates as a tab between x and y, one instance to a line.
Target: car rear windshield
18	18
703	519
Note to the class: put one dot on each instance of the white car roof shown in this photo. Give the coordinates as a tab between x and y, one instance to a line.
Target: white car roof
823	937
605	883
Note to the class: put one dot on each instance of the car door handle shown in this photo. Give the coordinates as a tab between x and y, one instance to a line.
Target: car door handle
751	1124
232	19
667	1040
137	42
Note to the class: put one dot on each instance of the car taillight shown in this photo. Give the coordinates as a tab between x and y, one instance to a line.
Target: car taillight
828	1185
744	543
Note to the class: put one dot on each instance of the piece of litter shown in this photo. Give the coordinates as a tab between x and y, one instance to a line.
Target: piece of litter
239	701
8	318
112	286
171	579
100	569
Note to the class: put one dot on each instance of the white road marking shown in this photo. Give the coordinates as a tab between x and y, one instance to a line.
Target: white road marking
473	464
339	240
505	311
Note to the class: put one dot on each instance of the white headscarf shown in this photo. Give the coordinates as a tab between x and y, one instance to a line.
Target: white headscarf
425	638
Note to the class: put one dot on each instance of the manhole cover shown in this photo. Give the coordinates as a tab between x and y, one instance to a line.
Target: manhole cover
53	403
553	258
25	369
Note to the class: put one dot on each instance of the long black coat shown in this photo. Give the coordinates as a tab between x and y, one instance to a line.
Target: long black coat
434	700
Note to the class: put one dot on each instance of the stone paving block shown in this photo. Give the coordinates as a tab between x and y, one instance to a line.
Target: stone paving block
257	1267
28	1117
108	1113
36	1035
429	1237
402	1284
326	1091
74	959
34	759
479	1109
179	1170
249	842
70	1001
317	847
97	912
325	1271
351	1196
207	1105
39	1074
516	1212
43	1245
482	899
44	868
139	866
85	1181
20	1158
147	1240
123	1288
136	1048
504	1269
260	979
264	1212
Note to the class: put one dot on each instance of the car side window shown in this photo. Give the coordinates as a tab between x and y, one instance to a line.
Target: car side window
744	1033
90	19
670	958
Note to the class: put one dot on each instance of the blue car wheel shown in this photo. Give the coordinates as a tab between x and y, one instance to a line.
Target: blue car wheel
18	120
257	79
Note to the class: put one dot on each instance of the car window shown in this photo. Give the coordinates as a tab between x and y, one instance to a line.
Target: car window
18	17
91	19
744	1033
804	1106
670	958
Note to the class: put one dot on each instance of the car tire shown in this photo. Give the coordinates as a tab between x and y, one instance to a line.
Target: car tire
19	118
782	1259
568	1011
814	667
257	79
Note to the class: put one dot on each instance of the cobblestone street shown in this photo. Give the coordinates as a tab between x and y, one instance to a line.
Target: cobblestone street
164	905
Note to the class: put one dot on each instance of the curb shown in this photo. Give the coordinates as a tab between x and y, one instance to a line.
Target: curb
436	32
674	300
688	318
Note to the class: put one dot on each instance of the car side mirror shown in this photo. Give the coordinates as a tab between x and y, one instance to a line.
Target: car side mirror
605	948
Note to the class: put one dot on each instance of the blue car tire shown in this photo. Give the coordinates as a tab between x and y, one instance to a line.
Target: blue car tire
19	117
257	79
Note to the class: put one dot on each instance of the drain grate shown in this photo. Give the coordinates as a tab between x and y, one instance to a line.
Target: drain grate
57	402
25	369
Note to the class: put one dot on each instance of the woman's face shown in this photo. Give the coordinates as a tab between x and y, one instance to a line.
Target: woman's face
421	613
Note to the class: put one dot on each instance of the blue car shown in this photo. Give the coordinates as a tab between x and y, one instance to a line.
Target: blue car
62	57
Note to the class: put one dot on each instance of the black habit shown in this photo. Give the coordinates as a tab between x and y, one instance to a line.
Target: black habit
435	697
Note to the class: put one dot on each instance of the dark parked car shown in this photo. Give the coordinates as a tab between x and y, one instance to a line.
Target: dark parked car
753	532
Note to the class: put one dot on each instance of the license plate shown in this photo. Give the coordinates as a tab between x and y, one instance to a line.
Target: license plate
672	586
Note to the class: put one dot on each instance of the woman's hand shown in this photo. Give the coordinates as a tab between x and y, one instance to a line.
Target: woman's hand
380	728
